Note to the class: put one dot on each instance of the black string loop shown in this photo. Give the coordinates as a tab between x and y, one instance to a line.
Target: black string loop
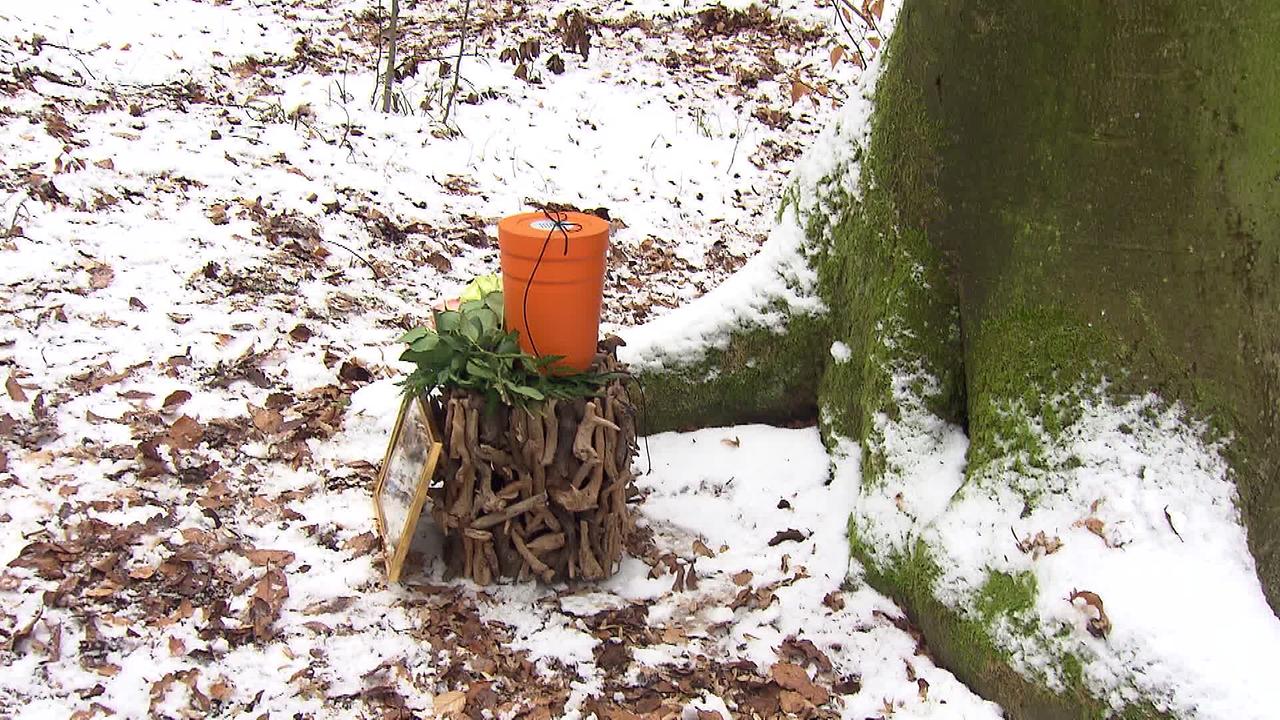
559	221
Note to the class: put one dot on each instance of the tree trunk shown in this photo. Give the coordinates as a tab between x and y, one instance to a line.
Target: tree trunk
1060	202
1109	179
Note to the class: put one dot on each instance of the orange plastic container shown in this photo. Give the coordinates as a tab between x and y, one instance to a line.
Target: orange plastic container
553	283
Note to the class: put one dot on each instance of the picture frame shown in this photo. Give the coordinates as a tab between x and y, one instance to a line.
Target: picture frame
401	488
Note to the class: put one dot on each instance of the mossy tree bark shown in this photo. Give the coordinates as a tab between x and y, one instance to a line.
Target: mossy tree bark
1054	194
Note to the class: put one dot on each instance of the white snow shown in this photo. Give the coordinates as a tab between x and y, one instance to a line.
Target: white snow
734	489
779	280
141	171
840	352
1190	626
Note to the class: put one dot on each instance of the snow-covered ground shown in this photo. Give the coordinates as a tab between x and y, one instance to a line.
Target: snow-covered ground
210	242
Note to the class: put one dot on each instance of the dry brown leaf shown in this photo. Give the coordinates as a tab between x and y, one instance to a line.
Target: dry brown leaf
106	164
1039	544
731	442
362	544
834	600
700	548
450	703
175	399
334	605
923	685
217	214
873	41
1095	526
790	534
672	635
743	578
1168	517
710	715
185	433
798	90
790	676
1099	625
837	52
15	390
100	276
266	421
268	557
220	691
300	333
793	702
177	648
877	8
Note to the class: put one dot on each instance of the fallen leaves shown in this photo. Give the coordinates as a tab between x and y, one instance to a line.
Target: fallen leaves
1099	624
837	52
789	535
15	390
792	677
1039	545
185	433
279	558
100	275
268	599
217	214
449	704
175	399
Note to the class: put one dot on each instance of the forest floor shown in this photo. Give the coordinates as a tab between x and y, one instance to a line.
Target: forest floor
210	241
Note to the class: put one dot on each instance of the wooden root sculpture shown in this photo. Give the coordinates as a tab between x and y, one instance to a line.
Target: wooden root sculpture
538	491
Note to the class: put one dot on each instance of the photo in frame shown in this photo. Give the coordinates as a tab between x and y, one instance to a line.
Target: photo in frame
401	489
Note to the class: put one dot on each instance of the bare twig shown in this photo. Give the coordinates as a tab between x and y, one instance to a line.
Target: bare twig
376	273
457	65
389	77
848	31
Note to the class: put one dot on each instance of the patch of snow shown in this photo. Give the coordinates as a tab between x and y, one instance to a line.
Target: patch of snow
840	352
779	281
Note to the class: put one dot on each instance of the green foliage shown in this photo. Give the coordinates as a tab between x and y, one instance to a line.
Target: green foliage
470	349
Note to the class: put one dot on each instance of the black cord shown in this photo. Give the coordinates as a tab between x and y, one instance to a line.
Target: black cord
644	423
558	222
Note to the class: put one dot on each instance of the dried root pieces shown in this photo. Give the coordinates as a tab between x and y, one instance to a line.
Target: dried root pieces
539	491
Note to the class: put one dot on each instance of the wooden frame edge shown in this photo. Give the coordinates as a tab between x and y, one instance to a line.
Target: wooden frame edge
395	564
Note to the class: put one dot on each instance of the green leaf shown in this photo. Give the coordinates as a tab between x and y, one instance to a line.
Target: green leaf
470	306
414	334
531	393
488	320
494	301
425	343
448	321
509	345
479	370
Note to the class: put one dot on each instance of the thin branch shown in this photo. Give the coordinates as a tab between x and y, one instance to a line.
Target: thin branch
376	274
389	79
457	65
377	63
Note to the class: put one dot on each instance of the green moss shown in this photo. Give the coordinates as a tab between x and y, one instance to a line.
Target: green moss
761	376
1004	594
890	298
1110	169
964	643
